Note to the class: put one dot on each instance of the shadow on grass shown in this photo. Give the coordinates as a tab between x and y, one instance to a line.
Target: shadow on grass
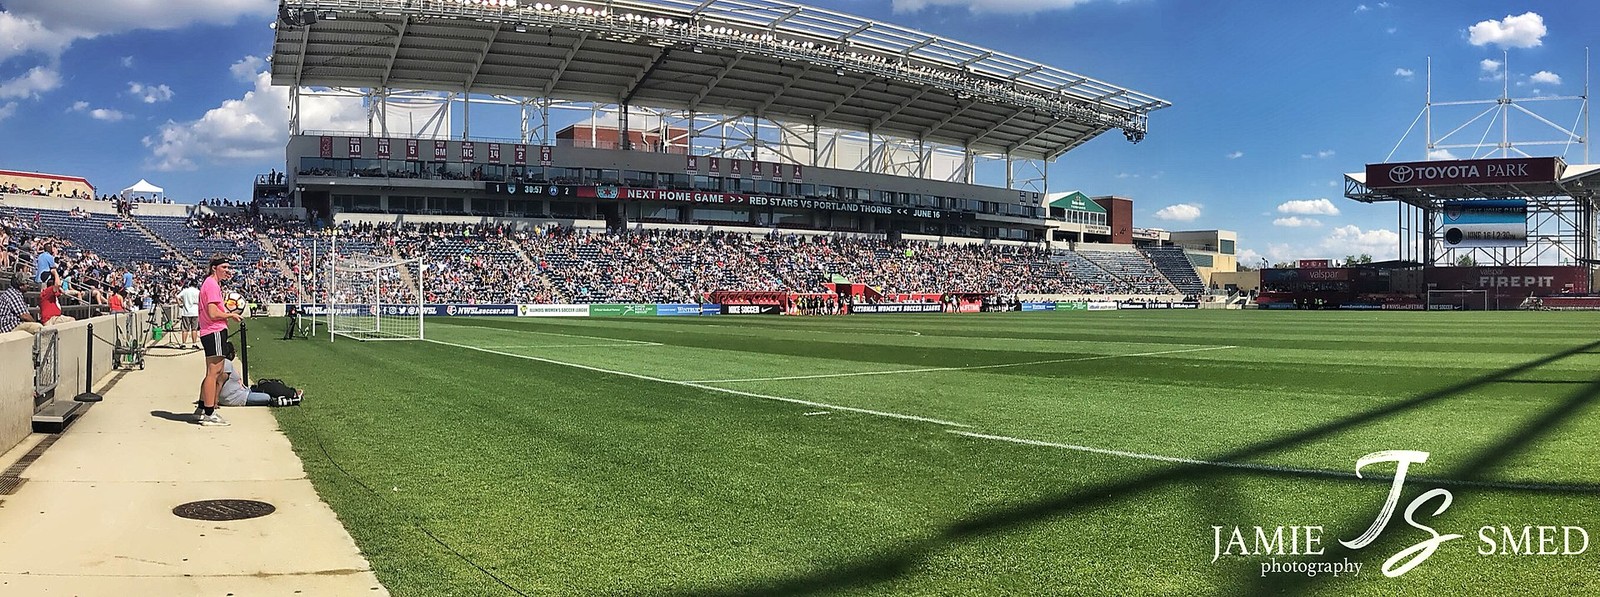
893	564
1486	459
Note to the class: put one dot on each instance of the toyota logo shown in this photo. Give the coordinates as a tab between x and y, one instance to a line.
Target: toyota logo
1401	174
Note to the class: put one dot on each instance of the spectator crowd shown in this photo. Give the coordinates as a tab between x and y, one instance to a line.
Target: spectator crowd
287	261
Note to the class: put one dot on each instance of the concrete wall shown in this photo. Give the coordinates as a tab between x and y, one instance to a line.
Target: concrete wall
16	368
101	207
16	393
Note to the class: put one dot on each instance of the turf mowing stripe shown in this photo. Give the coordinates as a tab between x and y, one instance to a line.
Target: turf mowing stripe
617	340
970	368
691	384
1281	469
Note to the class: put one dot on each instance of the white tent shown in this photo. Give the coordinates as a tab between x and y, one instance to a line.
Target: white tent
143	187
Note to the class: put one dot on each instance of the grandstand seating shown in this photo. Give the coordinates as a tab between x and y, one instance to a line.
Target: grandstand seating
189	240
1133	270
468	264
1175	265
116	243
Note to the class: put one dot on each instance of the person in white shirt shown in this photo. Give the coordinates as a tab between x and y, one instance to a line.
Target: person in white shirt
189	311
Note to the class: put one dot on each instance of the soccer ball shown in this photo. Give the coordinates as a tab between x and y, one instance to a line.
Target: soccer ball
234	303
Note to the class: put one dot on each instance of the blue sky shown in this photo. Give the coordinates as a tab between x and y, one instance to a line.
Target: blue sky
1273	101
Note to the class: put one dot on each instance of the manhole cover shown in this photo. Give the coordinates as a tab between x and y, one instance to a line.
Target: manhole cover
224	509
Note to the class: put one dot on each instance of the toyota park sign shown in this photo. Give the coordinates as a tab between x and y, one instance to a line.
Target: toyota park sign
1464	172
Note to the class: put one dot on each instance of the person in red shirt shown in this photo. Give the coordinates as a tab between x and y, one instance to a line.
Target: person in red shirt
49	309
116	302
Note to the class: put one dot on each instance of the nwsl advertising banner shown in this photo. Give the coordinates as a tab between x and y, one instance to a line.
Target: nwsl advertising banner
897	308
426	310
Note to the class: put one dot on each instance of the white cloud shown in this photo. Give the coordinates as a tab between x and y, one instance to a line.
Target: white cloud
127	62
1182	212
48	27
1405	73
1309	207
23	35
1297	222
1489	70
150	94
37	80
1382	244
106	115
1235	155
253	127
102	114
1321	155
1362	8
1442	154
8	110
1249	257
1545	77
1522	31
246	68
988	6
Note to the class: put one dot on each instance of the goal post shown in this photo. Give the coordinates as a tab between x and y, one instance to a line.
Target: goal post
375	298
1458	300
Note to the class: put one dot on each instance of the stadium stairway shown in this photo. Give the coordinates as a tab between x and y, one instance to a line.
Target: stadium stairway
405	274
1175	266
271	249
545	286
156	239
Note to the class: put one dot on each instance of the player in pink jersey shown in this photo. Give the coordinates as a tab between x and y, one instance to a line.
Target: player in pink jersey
214	318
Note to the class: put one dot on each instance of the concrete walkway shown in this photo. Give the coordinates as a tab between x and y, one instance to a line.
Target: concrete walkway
94	516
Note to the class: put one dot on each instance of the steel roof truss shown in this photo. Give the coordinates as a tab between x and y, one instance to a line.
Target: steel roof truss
805	69
901	107
694	104
477	65
394	52
997	126
844	99
566	61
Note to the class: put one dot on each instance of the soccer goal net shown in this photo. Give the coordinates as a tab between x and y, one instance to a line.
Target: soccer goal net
1458	300
375	298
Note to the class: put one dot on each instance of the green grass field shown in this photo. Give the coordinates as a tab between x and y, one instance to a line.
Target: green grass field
1006	454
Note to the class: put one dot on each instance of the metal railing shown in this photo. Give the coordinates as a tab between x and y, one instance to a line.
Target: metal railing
46	367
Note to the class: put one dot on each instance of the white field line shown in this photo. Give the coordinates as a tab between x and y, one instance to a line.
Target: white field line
601	338
614	345
1274	468
691	384
970	368
617	340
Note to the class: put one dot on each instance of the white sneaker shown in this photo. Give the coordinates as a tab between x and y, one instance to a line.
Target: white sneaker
212	420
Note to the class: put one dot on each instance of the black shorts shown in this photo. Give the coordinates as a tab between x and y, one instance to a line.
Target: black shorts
212	343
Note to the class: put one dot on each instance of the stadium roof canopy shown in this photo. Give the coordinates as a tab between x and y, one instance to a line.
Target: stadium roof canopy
772	60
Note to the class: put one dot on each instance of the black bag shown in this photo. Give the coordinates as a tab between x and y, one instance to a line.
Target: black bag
274	388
